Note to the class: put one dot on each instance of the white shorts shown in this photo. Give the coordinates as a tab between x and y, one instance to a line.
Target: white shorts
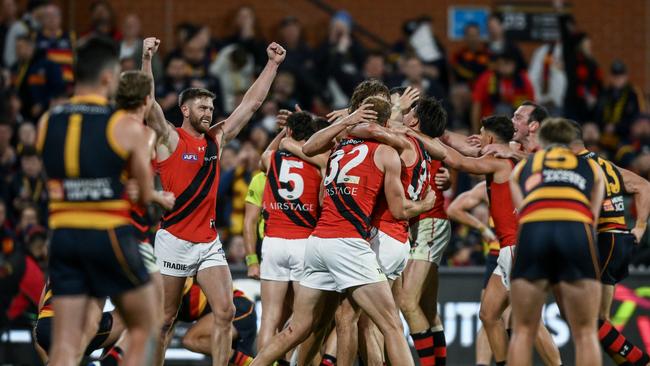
148	257
504	264
430	238
282	259
181	258
338	264
392	255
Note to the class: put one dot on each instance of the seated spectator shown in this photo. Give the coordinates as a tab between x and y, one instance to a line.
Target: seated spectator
260	137
234	68
246	34
413	71
419	38
28	186
7	152
472	59
591	137
546	73
5	225
35	241
26	136
36	80
498	42
500	91
639	142
55	44
618	105
102	21
176	79
460	113
339	59
283	91
131	46
27	217
236	254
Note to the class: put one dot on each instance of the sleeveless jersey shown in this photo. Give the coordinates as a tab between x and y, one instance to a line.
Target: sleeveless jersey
352	184
192	173
47	311
415	180
290	204
84	165
612	212
556	186
502	210
59	50
438	210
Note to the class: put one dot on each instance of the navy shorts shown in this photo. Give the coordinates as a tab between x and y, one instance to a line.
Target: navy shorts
98	263
490	265
558	251
245	323
43	331
616	251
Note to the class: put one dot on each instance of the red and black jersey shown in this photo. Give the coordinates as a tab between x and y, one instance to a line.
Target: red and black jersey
502	210
415	179
438	210
352	184
192	174
290	200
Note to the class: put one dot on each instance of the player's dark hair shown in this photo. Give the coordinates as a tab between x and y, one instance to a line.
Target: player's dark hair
320	123
365	89
381	106
538	114
399	90
301	125
190	94
499	125
557	131
132	90
93	57
432	116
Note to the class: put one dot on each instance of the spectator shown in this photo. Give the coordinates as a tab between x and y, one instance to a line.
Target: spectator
260	137
472	59
247	35
639	142
234	68
500	91
618	105
419	38
413	71
26	137
283	91
548	77
28	186
591	137
498	43
340	58
19	27
36	80
28	217
102	21
131	46
7	151
460	113
55	44
9	20
236	254
5	224
36	245
299	61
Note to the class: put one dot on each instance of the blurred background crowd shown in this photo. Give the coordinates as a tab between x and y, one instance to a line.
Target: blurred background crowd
486	74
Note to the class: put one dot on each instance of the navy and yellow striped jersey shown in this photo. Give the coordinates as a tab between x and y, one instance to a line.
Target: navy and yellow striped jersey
84	165
612	212
556	186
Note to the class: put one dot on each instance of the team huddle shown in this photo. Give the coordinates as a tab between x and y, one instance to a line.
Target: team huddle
354	228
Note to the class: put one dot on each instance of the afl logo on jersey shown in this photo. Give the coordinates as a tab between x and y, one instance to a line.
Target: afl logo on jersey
190	157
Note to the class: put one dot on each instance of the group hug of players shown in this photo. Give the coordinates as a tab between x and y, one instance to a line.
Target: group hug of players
355	227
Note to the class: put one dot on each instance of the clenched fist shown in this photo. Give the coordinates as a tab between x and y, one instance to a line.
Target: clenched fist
150	46
276	53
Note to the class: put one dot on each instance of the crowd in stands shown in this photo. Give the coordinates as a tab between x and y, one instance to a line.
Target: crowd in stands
484	77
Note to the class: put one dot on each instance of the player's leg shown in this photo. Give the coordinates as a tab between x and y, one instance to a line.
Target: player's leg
199	337
329	350
377	301
582	298
545	347
527	301
429	305
159	311
134	307
273	296
483	350
66	339
494	303
173	293
346	318
413	284
219	295
371	342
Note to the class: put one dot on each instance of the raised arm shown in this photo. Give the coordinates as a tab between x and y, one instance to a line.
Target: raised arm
265	160
459	208
400	207
381	134
253	98
640	189
433	146
459	142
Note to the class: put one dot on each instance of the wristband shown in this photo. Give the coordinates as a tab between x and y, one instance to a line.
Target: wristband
252	259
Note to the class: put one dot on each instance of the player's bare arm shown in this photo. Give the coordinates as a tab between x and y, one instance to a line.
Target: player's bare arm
640	189
253	98
295	147
486	164
516	194
251	217
387	159
265	160
433	146
373	131
165	131
323	140
459	208
459	142
504	151
129	137
404	103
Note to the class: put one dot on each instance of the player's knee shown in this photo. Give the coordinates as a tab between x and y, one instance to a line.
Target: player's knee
189	342
224	314
407	304
487	316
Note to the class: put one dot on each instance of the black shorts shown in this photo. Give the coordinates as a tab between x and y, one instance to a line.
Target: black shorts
246	324
490	265
558	251
616	251
98	263
43	331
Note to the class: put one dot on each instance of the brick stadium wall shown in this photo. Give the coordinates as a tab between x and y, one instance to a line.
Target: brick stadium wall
619	28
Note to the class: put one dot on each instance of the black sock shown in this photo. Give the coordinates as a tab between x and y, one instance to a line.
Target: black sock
328	360
501	363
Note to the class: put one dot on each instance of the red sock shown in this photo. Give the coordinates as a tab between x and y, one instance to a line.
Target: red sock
328	360
241	359
424	347
615	343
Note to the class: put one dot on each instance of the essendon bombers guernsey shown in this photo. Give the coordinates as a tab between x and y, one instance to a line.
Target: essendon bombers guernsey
502	210
192	173
352	184
290	203
438	210
415	179
556	186
612	212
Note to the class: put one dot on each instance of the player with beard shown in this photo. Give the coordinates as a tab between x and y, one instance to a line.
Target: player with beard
187	160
